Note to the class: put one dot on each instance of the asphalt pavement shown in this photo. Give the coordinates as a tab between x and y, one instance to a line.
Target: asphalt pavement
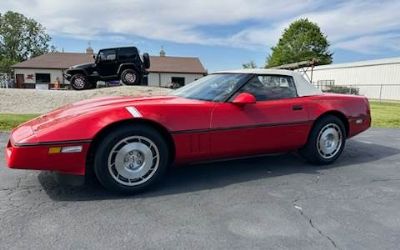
260	203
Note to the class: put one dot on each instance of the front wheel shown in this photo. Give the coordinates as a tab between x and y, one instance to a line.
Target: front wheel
79	82
131	159
326	141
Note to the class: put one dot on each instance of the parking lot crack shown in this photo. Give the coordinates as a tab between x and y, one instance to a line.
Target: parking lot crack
311	223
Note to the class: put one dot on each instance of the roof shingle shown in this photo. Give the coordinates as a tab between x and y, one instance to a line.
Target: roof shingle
55	60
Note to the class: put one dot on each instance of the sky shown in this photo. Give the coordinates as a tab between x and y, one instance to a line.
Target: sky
224	34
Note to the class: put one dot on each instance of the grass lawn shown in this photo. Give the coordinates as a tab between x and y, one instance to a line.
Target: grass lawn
9	121
384	115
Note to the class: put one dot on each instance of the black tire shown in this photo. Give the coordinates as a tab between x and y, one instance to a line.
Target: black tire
146	60
79	82
317	149
117	177
130	77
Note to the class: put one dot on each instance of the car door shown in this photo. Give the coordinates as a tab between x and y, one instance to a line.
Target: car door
278	121
108	64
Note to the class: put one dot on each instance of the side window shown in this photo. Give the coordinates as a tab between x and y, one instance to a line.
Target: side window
108	55
127	54
270	87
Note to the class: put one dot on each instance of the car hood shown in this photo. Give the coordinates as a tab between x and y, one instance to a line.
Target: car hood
96	112
74	110
83	66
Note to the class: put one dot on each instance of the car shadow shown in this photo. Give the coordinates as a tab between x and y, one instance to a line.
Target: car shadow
219	174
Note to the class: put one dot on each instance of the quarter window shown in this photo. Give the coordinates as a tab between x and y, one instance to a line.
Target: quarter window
270	87
127	54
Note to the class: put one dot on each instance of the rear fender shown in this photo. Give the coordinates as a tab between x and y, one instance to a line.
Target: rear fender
354	109
124	66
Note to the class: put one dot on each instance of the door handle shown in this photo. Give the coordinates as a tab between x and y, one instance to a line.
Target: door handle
297	107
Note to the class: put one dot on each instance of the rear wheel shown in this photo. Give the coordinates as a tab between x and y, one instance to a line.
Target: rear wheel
79	82
130	77
326	141
131	159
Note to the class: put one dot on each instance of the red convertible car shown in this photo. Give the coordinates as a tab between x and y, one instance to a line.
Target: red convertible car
130	142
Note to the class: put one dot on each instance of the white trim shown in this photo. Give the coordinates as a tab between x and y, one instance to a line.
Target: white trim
134	112
368	63
261	71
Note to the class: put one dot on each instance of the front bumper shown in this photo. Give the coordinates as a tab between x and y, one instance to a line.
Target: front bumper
39	157
67	76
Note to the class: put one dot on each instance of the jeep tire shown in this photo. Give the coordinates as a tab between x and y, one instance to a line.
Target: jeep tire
130	77
79	82
146	60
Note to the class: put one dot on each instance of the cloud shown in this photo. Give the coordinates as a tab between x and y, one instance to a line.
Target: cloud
361	26
348	24
373	44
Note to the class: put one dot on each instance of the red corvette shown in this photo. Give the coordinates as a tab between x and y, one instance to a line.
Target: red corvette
130	142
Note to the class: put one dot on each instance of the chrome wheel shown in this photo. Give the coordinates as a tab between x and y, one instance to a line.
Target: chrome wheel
79	83
133	160
329	140
130	77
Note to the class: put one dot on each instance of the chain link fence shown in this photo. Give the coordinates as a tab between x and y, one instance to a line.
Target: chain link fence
386	92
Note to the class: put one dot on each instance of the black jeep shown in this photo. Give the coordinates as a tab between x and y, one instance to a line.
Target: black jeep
123	64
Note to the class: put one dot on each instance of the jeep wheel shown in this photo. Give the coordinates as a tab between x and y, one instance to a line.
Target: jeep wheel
79	82
146	60
130	77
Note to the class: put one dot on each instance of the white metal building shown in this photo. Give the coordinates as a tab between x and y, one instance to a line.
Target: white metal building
378	79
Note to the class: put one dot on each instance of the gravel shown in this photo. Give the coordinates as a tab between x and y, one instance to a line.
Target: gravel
30	101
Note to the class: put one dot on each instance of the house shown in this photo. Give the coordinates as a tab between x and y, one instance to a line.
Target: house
44	71
376	79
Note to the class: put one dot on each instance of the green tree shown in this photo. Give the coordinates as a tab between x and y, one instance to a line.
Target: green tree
302	41
249	65
20	39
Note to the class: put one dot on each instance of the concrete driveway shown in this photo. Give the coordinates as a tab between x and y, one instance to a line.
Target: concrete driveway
262	203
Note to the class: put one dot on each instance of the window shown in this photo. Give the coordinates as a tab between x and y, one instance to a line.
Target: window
42	78
107	55
178	80
127	54
270	87
216	87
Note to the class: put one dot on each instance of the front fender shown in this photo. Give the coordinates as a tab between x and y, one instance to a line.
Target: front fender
86	126
72	72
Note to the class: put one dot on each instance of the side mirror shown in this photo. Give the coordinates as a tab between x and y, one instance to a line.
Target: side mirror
244	99
94	57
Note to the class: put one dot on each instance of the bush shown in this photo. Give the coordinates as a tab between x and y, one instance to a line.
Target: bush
341	90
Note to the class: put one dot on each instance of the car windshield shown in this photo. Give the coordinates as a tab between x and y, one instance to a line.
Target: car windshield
216	87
